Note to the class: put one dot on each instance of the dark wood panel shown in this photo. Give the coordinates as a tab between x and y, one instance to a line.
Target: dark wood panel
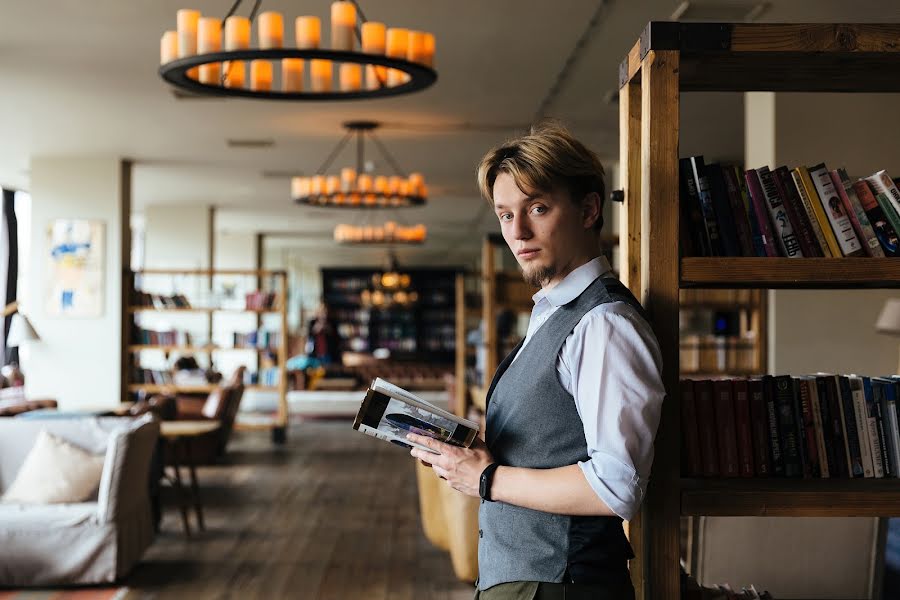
332	515
821	273
790	497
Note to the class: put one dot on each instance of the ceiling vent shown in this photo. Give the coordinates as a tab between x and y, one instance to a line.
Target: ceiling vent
250	143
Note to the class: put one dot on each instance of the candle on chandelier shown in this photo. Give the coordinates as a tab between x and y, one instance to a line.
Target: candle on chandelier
381	184
292	74
261	76
428	57
317	185
209	39
237	37
187	20
270	30
343	24
373	42
321	74
393	186
299	187
168	47
348	179
308	32
397	47
364	183
416	184
416	47
350	76
332	184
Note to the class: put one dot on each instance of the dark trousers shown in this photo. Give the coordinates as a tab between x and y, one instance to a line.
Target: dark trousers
539	590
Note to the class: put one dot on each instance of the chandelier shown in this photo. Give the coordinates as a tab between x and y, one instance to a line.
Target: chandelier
389	61
391	287
389	233
356	187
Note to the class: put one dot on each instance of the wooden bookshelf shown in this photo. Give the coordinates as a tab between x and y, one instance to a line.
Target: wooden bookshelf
668	59
277	422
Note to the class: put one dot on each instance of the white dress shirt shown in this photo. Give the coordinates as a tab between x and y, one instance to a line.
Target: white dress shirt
611	364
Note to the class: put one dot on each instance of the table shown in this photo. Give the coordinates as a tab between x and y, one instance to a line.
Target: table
179	435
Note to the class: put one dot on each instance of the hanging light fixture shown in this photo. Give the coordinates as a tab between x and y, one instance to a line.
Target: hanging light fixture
389	61
356	187
389	233
391	287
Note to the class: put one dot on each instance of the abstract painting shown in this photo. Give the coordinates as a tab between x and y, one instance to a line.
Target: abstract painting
75	284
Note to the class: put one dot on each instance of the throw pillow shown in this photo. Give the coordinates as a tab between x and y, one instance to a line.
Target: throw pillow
55	471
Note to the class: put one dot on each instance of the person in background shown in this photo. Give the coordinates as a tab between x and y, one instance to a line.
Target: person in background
322	341
573	410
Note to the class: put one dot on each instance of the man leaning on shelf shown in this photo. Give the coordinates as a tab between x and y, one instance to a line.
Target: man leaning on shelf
573	410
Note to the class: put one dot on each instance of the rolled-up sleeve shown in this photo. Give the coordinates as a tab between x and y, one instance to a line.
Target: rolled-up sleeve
612	364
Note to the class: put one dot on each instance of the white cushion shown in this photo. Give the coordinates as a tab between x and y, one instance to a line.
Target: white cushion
55	471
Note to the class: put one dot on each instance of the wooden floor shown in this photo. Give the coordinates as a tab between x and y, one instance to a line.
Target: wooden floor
333	515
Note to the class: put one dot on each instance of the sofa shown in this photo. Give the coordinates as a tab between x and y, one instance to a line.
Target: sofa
90	542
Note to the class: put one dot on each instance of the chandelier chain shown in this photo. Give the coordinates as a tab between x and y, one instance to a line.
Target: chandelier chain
387	155
337	149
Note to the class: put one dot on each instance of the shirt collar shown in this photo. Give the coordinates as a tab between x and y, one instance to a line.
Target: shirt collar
575	282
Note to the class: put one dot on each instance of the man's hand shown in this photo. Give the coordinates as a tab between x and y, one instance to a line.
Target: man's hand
461	467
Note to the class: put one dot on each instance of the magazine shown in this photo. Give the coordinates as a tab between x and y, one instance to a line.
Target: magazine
389	413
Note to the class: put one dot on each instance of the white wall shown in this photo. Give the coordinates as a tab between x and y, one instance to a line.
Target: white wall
177	236
77	361
234	250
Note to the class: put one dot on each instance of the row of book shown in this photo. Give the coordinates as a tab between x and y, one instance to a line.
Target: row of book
258	339
800	212
150	337
260	300
146	299
710	353
154	376
819	425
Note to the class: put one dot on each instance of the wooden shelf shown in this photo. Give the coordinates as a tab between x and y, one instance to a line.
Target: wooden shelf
778	57
791	497
172	348
154	388
819	273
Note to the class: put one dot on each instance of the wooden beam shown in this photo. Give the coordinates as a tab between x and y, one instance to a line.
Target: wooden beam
630	179
660	297
125	169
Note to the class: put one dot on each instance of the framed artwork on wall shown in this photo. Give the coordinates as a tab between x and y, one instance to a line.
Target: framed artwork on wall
75	273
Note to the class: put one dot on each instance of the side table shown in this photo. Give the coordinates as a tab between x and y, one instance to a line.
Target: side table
179	435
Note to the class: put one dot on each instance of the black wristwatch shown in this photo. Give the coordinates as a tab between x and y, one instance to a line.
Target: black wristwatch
487	477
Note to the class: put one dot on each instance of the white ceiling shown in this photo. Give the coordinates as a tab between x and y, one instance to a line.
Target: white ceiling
80	78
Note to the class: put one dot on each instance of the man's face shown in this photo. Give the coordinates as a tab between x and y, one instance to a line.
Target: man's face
546	232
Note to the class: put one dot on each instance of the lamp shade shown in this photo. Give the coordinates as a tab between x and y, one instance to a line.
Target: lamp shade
889	318
20	330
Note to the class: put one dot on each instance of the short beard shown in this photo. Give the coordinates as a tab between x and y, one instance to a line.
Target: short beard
537	276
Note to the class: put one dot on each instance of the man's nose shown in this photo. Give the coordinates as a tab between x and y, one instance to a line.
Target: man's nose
521	230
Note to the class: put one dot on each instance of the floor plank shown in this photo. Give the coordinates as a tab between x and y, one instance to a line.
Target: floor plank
332	516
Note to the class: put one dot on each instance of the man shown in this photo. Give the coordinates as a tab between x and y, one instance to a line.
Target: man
572	412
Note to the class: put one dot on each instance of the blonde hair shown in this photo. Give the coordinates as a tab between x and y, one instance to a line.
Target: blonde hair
545	159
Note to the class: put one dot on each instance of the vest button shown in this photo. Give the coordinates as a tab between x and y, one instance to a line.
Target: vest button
480	533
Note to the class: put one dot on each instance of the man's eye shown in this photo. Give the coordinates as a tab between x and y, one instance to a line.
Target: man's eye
539	209
505	216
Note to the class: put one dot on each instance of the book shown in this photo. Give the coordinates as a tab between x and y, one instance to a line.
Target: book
706	424
795	211
818	425
726	428
742	421
810	198
389	413
834	211
756	236
693	465
760	211
775	445
738	210
787	240
691	213
760	427
701	184
726	219
882	183
788	426
870	460
883	227
857	214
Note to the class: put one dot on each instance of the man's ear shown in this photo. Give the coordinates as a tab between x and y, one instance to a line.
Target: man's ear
590	207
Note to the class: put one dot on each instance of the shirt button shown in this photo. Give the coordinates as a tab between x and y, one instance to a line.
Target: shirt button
480	533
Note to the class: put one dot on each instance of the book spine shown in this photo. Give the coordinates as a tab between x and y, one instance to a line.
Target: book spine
738	211
788	242
691	434
884	229
784	183
863	428
848	426
744	429
784	399
856	213
718	192
841	448
726	428
810	198
706	205
834	211
883	184
692	209
885	204
818	428
772	418
877	435
706	422
811	464
760	426
758	200
892	424
756	236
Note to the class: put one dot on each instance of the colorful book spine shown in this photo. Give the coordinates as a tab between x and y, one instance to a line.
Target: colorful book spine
870	459
885	391
883	184
795	211
856	213
834	211
738	211
756	236
881	225
760	211
787	239
692	211
818	426
813	207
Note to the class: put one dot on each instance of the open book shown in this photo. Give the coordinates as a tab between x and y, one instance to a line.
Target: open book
389	413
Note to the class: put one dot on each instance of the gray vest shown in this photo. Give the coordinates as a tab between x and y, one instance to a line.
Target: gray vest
532	422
